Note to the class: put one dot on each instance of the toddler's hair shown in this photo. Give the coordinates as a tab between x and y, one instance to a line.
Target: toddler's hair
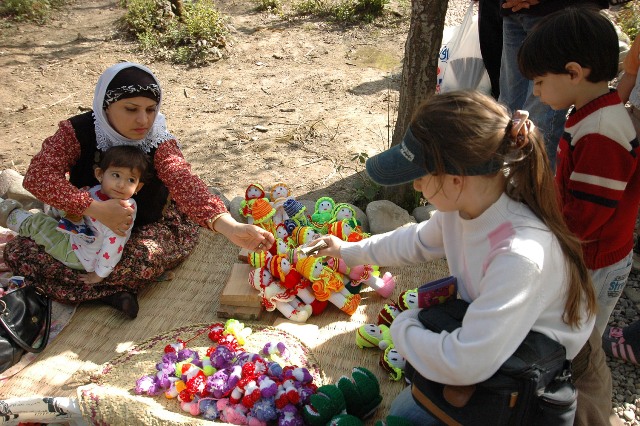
583	35
469	131
130	157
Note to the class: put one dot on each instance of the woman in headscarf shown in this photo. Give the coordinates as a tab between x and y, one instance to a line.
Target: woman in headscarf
171	206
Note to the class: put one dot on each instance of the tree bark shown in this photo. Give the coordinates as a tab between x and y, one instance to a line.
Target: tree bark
419	74
177	8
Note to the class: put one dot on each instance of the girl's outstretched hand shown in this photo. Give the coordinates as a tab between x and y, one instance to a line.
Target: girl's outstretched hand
333	245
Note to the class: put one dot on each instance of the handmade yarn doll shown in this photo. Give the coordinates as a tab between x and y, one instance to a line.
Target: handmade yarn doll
301	235
262	213
388	313
343	211
253	192
297	213
278	195
282	232
327	285
346	231
276	296
322	216
373	336
364	274
393	362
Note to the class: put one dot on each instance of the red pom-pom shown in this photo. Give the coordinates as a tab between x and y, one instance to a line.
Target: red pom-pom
215	331
185	396
197	383
248	369
174	347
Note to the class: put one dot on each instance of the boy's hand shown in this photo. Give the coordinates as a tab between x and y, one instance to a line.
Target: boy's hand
90	278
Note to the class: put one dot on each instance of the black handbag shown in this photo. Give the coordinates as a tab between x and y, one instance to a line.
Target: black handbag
24	312
532	387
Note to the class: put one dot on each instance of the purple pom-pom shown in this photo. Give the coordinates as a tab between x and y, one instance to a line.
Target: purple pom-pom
208	408
268	387
222	357
289	416
274	370
146	385
187	353
265	409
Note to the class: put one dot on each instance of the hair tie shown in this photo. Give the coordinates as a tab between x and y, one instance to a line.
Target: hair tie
519	129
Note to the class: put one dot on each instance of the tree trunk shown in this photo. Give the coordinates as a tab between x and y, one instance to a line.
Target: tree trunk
419	73
177	8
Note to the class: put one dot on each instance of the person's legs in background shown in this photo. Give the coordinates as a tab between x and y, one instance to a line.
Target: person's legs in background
592	380
490	33
516	91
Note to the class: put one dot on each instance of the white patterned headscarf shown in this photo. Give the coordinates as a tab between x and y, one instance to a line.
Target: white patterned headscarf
106	135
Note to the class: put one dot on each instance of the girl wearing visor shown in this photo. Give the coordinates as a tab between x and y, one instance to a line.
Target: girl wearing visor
498	224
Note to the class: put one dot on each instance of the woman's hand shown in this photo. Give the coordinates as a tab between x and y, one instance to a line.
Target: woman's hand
90	278
334	244
251	237
116	215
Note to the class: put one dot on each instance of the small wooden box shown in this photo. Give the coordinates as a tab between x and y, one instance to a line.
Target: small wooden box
238	291
245	313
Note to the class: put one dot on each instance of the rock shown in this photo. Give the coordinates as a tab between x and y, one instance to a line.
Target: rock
422	213
629	415
234	209
9	178
386	216
11	187
632	294
310	206
362	218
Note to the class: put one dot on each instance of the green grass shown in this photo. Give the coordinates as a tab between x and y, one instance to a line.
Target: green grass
345	11
196	39
37	11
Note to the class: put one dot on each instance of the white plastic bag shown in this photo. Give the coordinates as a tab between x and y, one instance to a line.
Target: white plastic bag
460	64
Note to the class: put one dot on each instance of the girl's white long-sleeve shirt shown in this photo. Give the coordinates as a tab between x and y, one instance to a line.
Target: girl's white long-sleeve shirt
508	265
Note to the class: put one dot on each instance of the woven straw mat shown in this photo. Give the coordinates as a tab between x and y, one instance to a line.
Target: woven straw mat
98	334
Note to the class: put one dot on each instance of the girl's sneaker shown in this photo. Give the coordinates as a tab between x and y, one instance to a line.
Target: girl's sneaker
615	345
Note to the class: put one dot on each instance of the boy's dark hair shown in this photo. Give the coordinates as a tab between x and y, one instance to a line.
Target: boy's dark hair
131	157
583	35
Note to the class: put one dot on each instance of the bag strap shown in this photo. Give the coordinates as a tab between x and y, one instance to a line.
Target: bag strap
24	345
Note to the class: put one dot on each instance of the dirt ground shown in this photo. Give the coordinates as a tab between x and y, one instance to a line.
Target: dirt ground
292	101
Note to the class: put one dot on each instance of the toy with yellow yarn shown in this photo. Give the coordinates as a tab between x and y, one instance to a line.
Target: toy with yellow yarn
323	214
297	213
262	213
278	194
374	335
326	284
253	192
